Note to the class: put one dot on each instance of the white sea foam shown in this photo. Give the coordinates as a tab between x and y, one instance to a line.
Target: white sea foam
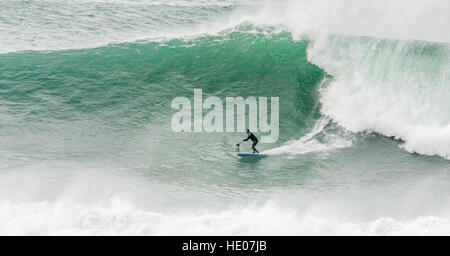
310	144
401	19
119	218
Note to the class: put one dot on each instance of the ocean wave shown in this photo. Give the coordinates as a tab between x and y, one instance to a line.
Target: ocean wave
390	77
397	88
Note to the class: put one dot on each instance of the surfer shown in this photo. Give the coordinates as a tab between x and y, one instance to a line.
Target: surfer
252	137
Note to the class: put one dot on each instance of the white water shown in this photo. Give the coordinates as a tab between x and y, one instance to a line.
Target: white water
400	19
120	218
310	144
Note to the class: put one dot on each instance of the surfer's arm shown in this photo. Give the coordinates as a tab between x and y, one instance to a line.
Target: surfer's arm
242	141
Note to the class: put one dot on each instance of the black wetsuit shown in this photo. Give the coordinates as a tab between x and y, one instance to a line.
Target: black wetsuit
254	139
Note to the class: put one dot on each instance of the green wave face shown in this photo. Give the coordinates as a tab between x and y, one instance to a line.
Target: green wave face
101	98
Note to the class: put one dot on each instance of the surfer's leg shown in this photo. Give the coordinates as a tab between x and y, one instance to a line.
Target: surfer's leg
254	148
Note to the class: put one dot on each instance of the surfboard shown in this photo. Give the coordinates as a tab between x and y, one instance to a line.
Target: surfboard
250	154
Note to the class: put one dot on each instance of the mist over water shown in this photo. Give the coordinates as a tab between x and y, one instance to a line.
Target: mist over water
87	148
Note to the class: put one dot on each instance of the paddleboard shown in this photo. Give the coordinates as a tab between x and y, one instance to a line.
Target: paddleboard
250	154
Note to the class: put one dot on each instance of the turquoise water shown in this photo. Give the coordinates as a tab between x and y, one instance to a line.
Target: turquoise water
85	109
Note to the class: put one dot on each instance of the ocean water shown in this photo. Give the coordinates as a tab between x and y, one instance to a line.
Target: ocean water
86	146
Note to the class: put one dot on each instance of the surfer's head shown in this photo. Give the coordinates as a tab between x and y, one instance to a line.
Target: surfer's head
247	130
